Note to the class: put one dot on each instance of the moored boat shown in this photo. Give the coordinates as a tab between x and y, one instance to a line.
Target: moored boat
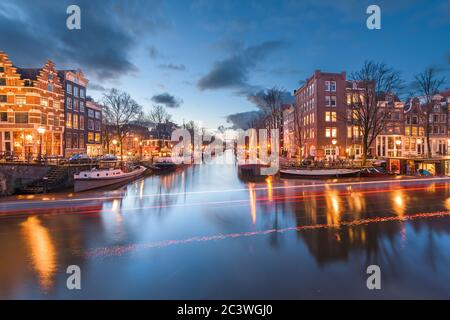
320	173
164	164
88	180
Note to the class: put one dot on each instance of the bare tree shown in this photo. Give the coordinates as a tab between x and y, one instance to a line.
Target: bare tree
374	81
159	115
273	99
120	112
427	85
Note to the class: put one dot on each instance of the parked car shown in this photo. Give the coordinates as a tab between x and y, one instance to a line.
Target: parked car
80	158
107	157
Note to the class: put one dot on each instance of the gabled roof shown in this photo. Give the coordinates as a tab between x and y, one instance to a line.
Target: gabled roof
28	73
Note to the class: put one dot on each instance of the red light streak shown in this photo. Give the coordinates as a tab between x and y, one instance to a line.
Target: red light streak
120	250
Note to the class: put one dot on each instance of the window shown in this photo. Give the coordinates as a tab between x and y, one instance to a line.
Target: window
2	82
75	91
97	137
43	119
27	83
414	120
2	69
68	120
21	100
333	86
56	105
90	124
50	77
81	122
75	121
68	140
69	88
3	117
90	136
97	115
327	101
333	101
44	102
97	126
327	85
81	140
69	103
82	106
330	116
82	93
21	117
74	140
3	98
91	113
50	87
330	132
75	105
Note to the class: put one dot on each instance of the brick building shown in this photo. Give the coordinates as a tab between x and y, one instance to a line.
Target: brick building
94	129
75	133
31	110
319	101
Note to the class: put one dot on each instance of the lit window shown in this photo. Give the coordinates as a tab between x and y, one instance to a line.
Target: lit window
68	120
21	100
44	102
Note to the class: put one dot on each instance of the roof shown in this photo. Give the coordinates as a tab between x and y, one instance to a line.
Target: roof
28	73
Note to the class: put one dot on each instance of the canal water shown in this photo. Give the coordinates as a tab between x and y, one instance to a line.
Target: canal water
202	233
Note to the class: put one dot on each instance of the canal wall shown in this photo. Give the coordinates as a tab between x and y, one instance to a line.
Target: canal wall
15	176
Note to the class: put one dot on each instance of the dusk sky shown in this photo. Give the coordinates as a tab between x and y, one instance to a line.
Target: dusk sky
203	59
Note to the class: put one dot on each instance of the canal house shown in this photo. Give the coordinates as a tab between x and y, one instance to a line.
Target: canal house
31	111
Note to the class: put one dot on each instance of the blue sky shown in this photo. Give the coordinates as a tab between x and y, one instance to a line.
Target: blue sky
204	58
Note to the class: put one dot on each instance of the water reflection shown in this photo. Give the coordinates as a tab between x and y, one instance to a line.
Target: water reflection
41	251
179	235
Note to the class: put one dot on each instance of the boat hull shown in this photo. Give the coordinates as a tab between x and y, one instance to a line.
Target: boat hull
84	184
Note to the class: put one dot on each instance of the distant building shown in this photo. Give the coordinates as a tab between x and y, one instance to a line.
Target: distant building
288	144
31	110
75	133
94	146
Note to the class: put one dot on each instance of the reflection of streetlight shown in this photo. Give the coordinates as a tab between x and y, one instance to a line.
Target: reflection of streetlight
41	131
333	142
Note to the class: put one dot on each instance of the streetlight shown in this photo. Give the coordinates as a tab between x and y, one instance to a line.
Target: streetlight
398	142
334	142
41	131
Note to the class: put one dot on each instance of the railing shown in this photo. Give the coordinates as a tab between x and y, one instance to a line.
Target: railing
318	164
31	158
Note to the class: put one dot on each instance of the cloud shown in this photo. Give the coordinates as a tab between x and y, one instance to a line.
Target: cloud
153	52
110	30
170	66
96	87
234	71
167	99
243	120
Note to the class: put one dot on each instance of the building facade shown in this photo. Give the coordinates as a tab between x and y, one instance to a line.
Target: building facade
319	102
75	133
94	141
31	111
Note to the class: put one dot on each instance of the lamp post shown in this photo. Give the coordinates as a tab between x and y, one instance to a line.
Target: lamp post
334	142
41	131
398	142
